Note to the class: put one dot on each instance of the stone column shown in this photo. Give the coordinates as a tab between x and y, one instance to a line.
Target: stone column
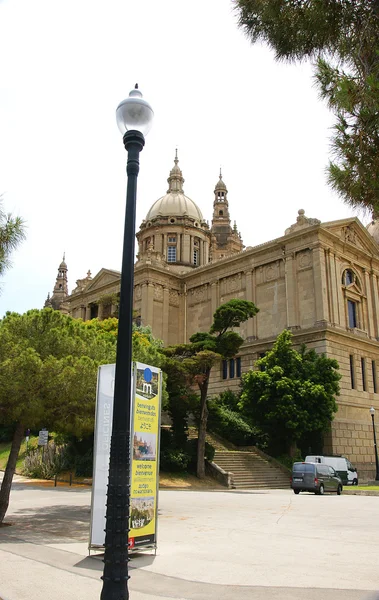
375	297
186	248
340	296
291	291
370	309
88	313
144	304
249	297
320	285
214	297
335	316
100	312
166	308
165	245
150	304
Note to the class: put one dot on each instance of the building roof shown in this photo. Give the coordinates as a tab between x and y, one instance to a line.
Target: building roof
175	203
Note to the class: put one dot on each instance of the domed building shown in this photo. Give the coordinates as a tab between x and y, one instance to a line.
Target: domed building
320	280
175	228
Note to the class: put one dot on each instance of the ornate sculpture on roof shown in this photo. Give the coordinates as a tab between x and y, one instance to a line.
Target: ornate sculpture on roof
81	284
373	227
301	222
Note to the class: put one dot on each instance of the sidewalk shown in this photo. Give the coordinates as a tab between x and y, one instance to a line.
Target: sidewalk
211	546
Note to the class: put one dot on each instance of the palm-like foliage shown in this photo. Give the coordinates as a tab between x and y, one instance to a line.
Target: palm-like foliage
342	38
12	232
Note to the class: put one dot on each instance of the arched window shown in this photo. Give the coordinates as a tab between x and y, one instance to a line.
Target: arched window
221	213
348	277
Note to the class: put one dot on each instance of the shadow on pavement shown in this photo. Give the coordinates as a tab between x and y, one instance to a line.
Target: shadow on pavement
49	524
95	562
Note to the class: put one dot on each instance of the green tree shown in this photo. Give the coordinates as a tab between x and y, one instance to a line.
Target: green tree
12	232
205	349
48	373
341	37
292	393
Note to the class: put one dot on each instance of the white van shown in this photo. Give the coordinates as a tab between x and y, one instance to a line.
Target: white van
342	465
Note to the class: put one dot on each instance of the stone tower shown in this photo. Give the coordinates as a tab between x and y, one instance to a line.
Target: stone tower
60	292
225	239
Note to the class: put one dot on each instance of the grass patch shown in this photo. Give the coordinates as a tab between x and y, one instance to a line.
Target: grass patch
5	448
374	488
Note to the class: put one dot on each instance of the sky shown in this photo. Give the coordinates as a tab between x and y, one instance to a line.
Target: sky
220	100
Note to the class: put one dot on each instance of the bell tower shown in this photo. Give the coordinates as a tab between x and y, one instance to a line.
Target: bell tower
225	239
60	292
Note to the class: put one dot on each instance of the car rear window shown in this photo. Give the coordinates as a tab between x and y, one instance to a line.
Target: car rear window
304	467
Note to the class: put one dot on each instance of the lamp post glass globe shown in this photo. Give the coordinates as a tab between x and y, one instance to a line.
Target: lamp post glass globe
134	113
372	411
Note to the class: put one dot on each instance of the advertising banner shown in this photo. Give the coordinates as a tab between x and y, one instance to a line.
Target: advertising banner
145	456
145	438
101	451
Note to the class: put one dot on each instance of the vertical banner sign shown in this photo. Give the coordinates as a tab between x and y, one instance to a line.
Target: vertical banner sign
145	438
101	452
145	456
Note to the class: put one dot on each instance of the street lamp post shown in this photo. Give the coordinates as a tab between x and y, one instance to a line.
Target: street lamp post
372	413
134	118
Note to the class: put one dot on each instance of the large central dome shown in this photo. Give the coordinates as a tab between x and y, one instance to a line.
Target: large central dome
175	203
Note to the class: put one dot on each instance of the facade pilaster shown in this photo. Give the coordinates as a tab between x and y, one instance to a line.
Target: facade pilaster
214	297
340	297
335	313
320	285
370	310
375	298
166	307
291	291
150	304
144	304
100	311
186	248
249	297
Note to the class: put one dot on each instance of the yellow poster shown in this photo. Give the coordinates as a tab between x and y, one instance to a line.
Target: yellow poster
145	456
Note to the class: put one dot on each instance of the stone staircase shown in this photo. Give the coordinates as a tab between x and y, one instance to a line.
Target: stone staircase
251	470
249	467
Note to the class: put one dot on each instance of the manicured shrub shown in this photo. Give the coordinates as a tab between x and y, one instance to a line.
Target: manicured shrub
230	425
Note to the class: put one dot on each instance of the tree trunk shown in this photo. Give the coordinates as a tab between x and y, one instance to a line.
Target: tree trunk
200	471
292	450
10	470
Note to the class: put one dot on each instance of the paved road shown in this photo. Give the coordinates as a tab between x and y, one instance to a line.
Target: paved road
216	545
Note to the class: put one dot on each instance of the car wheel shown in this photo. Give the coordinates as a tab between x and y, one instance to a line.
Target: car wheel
339	490
355	481
321	490
296	491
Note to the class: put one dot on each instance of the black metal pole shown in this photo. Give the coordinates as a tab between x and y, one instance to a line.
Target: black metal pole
115	575
376	450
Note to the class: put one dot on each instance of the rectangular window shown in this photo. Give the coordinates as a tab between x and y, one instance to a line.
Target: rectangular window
171	254
195	257
231	368
238	366
225	369
374	380
171	240
352	373
352	314
262	355
363	367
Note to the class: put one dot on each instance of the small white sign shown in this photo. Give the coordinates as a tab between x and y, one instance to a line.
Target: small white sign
43	437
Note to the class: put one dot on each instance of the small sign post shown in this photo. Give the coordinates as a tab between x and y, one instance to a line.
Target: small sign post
43	437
